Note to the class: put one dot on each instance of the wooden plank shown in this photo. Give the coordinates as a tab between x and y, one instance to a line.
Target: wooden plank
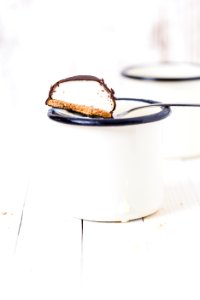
155	257
13	179
48	254
35	223
112	253
172	233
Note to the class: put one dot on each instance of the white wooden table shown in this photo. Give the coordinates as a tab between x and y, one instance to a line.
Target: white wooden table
47	254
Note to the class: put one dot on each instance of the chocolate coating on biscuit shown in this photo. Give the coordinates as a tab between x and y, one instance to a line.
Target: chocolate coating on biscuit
83	77
82	109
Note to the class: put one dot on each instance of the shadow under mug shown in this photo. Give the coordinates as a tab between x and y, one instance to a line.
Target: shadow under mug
170	82
112	168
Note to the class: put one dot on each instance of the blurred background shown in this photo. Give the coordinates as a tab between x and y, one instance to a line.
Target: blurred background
44	41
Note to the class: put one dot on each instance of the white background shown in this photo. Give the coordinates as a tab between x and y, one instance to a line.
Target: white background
44	41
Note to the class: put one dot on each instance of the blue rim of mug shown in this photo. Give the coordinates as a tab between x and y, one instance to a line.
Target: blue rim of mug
125	72
77	120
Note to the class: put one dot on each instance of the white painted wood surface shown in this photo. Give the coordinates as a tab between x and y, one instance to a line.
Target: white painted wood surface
13	180
157	257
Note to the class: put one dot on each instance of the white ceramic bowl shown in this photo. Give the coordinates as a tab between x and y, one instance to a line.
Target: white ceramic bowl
112	167
170	82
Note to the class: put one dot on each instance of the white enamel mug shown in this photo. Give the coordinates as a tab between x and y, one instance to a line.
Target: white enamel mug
111	169
170	82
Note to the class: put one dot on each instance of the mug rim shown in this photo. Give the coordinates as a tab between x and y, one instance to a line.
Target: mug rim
84	121
125	73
